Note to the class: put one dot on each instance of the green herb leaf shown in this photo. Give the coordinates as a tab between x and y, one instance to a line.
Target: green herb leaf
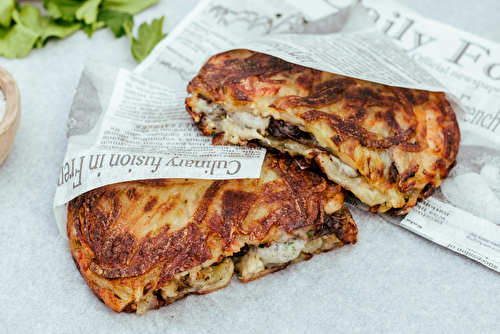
63	9
22	29
3	31
90	28
88	11
6	8
30	30
58	30
128	6
127	27
19	41
149	36
115	20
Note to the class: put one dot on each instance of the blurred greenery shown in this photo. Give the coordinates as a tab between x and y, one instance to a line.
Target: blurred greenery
23	27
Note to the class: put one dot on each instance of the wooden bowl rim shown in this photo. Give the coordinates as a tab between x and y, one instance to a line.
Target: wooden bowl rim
11	92
9	124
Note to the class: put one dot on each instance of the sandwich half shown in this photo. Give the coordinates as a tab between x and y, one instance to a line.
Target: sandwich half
143	244
389	146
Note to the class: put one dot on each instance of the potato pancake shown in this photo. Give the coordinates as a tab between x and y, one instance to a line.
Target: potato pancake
389	146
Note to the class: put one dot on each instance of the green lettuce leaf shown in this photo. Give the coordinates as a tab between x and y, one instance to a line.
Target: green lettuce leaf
6	7
115	20
149	36
128	6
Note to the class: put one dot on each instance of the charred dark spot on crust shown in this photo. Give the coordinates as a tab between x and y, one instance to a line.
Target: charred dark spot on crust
358	116
415	96
152	201
194	251
342	127
449	140
116	208
323	94
109	194
393	173
168	206
401	211
429	176
235	207
428	190
242	251
374	209
132	194
441	166
333	86
451	130
337	139
377	173
242	96
223	228
369	95
117	249
155	182
406	181
147	288
341	224
390	119
96	224
306	81
207	198
218	139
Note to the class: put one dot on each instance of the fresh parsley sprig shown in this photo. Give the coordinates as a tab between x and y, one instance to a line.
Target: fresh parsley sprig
24	28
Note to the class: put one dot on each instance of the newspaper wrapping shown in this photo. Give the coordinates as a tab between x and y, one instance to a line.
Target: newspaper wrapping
128	126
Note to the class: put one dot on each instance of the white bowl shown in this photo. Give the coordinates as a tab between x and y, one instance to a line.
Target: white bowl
10	122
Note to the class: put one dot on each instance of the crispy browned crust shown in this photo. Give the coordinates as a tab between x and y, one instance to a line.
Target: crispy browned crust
400	140
129	238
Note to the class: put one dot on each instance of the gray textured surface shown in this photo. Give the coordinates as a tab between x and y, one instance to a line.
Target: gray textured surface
391	281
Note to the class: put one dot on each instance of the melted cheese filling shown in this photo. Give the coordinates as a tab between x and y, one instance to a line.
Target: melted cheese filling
280	252
259	261
196	280
246	124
